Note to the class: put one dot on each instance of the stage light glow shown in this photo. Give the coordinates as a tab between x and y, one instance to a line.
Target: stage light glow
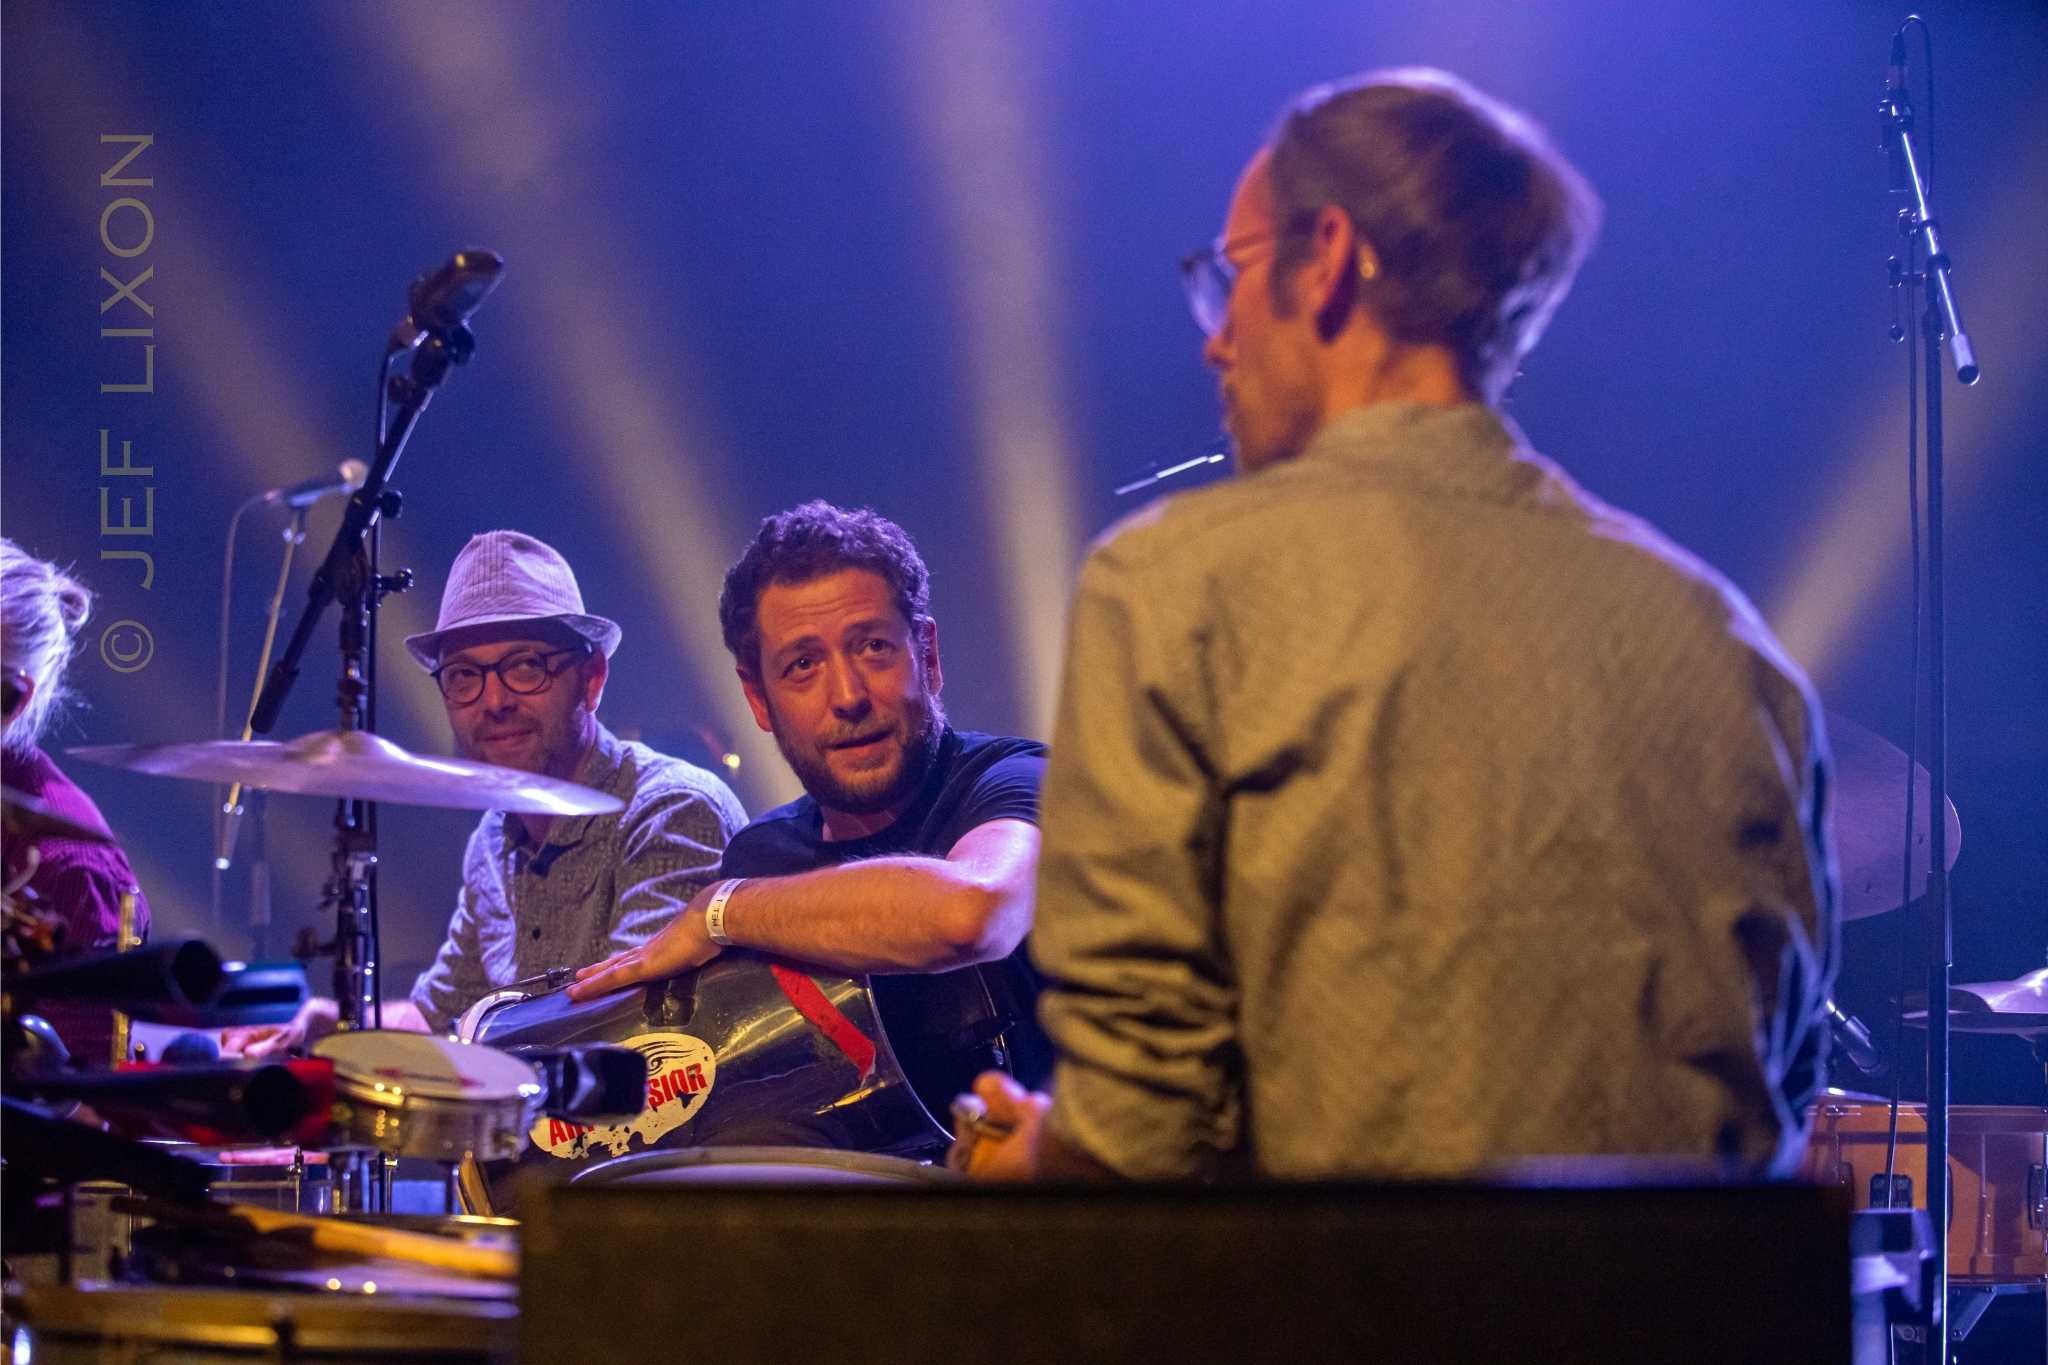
1860	549
501	123
263	416
973	103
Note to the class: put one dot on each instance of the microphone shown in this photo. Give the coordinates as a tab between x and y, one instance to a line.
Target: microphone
249	993
58	1149
442	300
1895	109
347	478
191	1048
1854	1039
242	1103
595	1080
181	972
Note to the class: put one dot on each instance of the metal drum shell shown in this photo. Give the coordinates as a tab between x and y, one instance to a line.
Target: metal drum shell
205	1326
1998	1169
413	1121
764	1166
778	1080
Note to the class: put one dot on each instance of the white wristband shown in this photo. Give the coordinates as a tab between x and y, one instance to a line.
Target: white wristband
714	912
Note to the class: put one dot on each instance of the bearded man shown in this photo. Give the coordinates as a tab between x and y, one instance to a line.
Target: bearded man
1412	811
914	848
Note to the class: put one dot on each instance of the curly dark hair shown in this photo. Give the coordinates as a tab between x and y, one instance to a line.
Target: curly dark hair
810	541
1479	223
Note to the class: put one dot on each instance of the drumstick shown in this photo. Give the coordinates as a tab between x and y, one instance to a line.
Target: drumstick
363	1239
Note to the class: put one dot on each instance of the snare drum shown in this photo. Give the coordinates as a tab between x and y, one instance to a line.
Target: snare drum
409	1094
235	1327
1998	1178
742	1052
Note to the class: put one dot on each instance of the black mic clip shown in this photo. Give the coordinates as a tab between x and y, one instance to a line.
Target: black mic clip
433	356
1895	272
1895	116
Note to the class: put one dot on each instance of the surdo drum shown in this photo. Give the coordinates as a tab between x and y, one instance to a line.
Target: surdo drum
744	1052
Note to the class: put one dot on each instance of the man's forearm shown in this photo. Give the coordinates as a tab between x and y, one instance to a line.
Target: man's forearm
882	915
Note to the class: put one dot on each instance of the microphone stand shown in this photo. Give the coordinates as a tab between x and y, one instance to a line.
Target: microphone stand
349	576
1940	321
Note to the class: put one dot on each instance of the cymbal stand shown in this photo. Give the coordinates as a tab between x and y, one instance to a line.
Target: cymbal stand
1940	321
349	576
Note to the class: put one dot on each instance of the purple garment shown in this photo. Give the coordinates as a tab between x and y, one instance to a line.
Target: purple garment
81	882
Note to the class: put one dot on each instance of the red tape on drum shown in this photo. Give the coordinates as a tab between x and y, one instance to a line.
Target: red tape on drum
812	1004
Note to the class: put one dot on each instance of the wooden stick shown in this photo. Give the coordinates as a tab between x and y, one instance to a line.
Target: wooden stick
363	1239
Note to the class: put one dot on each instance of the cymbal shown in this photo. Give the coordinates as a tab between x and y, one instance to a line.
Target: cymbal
1870	820
30	817
1991	1006
357	765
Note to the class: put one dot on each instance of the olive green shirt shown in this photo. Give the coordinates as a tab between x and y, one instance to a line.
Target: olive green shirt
1409	812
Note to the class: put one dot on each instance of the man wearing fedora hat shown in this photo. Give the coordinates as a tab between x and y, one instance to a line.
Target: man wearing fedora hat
521	667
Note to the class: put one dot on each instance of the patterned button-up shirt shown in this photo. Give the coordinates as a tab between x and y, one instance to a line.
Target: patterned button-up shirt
600	884
1410	810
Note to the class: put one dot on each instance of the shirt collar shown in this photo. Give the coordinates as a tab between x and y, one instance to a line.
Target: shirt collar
1412	432
603	768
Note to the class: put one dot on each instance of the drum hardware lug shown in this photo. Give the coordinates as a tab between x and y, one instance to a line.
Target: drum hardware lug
2037	1196
672	1003
1902	1192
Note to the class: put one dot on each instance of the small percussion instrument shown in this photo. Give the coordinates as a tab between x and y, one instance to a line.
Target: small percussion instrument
410	1094
763	1166
236	1327
1998	1175
743	1052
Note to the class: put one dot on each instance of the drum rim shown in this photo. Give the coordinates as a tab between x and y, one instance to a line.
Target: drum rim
796	1158
180	1315
352	1082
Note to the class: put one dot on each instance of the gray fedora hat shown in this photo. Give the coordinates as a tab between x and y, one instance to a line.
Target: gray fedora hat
510	578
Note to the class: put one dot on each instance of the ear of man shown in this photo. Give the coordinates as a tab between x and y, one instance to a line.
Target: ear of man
1329	277
596	670
757	698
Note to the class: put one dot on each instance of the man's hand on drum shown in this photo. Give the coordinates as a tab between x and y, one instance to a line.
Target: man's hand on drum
1001	1142
315	1020
684	943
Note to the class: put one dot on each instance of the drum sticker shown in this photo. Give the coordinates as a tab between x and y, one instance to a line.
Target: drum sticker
680	1073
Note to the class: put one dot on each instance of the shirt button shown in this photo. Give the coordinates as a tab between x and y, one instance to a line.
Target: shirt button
536	932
